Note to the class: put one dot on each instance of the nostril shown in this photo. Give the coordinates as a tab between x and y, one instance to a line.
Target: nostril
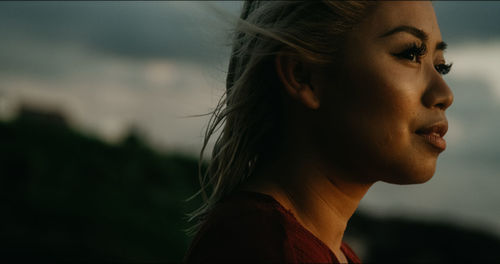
441	106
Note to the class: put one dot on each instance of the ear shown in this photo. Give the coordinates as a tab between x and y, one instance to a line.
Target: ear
295	75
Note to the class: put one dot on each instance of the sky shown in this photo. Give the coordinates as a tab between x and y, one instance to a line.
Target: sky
110	66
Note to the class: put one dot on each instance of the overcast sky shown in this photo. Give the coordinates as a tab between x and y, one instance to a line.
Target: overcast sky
111	65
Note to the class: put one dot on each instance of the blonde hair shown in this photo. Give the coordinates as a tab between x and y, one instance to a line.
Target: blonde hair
250	110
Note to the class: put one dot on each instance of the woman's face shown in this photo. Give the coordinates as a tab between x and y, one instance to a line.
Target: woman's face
382	110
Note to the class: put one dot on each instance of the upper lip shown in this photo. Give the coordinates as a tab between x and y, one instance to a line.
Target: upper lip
440	128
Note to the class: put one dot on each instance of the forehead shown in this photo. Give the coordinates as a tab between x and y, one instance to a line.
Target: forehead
390	14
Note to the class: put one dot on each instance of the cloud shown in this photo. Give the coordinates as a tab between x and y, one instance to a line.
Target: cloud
174	30
478	60
105	94
185	30
475	80
111	65
465	20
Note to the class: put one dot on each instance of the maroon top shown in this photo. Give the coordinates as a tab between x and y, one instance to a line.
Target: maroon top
254	227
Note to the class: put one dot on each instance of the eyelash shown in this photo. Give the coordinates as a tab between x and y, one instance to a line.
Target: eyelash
414	53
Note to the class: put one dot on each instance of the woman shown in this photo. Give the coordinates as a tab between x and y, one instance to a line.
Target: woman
323	100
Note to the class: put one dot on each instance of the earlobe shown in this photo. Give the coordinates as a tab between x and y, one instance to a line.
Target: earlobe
295	77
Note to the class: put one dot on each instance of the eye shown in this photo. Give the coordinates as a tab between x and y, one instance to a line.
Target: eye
413	52
443	68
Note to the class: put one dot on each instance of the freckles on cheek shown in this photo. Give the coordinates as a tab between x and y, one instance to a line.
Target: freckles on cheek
382	91
390	102
393	88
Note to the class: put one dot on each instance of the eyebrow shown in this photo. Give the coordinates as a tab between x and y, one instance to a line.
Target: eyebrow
415	32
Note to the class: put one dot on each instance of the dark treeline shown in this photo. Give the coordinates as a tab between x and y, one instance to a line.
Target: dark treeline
70	196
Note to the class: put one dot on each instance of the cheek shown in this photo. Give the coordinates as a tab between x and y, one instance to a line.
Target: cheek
374	115
381	101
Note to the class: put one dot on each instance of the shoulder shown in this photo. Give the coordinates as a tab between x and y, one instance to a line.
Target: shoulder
240	229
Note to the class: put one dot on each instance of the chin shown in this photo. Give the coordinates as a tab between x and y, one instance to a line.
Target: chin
416	175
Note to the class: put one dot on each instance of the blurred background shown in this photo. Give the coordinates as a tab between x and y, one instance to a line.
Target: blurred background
98	149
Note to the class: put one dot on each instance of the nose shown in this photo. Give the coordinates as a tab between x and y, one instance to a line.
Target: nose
438	94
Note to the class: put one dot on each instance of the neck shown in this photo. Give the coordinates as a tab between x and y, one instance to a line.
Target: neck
321	198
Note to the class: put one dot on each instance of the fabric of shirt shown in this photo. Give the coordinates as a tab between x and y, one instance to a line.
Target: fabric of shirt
255	228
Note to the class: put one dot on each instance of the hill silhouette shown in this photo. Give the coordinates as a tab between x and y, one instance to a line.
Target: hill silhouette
70	196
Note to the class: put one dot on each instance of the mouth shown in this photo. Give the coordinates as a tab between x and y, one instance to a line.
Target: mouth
434	134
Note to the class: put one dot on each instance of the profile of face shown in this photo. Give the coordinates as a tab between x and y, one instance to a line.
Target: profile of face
381	111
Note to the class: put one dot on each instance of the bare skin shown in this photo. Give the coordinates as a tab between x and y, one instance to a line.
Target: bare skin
351	126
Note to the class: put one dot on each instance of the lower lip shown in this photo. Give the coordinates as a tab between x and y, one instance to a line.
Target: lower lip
434	140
